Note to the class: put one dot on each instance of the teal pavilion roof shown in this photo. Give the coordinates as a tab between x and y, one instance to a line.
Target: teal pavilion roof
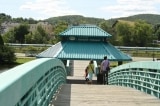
85	30
84	51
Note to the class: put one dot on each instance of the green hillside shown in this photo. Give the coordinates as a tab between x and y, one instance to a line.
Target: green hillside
149	18
75	20
78	19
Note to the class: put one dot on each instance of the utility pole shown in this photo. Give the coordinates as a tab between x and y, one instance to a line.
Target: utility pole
154	42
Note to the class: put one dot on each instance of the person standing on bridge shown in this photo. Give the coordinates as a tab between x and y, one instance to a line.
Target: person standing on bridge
90	71
105	68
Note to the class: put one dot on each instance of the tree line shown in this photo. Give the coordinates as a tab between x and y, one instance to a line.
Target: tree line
141	33
123	34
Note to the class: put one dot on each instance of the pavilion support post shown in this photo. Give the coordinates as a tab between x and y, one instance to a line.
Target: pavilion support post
120	63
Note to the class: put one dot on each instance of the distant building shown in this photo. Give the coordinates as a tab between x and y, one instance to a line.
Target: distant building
6	26
45	25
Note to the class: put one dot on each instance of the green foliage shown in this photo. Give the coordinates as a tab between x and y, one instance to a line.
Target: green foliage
60	27
106	26
123	31
9	37
20	32
23	60
4	17
157	31
30	38
24	21
139	34
39	36
149	18
74	20
7	54
8	18
16	35
143	34
31	48
1	41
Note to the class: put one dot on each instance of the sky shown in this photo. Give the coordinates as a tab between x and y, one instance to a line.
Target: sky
105	9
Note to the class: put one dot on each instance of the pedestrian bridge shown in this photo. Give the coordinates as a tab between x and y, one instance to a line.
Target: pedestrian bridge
44	82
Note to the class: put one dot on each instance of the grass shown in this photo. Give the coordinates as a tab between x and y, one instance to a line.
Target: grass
24	60
18	61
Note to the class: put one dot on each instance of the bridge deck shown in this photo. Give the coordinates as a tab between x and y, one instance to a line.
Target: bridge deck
77	93
102	95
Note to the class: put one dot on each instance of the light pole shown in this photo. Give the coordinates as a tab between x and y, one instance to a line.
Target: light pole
154	41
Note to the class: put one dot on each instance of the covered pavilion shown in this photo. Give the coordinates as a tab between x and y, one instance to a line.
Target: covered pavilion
84	42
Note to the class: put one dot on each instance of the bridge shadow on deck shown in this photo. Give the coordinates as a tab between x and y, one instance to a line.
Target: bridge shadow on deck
63	97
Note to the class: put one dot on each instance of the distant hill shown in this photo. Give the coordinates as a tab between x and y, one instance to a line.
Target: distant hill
78	19
149	18
75	20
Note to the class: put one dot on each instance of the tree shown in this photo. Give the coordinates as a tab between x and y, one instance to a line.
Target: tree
29	38
7	54
60	27
157	31
107	27
123	31
38	36
139	34
4	17
8	37
20	33
1	41
143	33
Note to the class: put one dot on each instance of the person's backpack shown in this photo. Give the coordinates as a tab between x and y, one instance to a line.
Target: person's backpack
108	68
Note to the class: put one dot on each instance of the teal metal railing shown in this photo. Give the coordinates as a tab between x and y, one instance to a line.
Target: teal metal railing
32	84
143	75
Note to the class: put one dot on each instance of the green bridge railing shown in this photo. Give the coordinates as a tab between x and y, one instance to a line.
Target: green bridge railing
33	83
144	76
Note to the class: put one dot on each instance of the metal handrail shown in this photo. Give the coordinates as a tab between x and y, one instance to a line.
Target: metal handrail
142	75
32	84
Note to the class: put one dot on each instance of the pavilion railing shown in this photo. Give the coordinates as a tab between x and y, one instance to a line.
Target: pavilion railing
32	84
142	75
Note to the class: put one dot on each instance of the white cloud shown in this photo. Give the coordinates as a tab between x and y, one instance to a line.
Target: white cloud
132	7
49	8
120	8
